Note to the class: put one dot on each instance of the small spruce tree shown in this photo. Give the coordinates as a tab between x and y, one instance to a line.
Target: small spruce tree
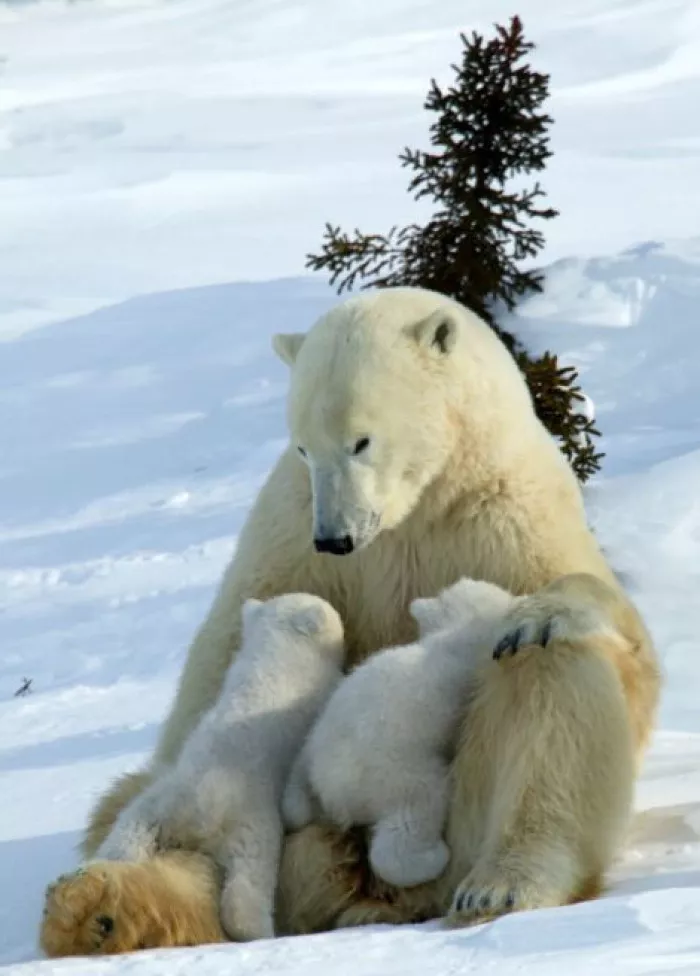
489	132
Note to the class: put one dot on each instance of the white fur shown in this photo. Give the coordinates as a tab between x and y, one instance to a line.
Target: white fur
223	794
378	755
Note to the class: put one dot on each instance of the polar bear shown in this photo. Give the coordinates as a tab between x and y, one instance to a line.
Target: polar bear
379	753
416	457
222	796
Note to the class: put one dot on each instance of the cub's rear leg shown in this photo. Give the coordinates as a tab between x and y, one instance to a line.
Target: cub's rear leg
251	865
407	848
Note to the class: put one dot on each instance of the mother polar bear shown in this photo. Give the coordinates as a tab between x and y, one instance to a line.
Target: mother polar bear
415	458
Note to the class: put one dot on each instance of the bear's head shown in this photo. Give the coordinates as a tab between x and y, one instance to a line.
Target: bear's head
295	615
465	603
385	390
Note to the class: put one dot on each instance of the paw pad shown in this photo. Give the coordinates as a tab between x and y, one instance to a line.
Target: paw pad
105	924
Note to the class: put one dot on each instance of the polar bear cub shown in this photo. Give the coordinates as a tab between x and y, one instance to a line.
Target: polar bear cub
223	795
379	753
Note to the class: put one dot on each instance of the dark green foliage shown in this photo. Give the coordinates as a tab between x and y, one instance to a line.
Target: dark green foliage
489	132
558	401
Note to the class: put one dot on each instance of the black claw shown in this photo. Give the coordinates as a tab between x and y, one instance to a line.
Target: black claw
510	899
510	642
499	649
485	902
470	901
106	924
459	904
546	633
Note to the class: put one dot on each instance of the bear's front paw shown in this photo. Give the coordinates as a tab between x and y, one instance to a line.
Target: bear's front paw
476	902
538	622
529	632
543	879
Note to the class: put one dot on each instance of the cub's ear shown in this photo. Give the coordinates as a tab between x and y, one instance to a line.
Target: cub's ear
250	611
427	613
310	621
287	346
437	332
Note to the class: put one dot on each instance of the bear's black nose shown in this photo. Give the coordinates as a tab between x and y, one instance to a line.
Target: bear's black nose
336	547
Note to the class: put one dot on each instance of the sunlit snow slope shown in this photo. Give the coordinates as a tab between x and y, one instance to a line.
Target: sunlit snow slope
154	156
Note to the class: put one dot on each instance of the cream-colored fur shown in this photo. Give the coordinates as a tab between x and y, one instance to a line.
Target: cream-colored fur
462	480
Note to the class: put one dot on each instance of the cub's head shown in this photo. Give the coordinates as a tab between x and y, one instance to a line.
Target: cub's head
295	615
466	603
381	390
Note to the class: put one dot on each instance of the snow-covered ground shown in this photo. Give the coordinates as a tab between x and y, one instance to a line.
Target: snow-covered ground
164	167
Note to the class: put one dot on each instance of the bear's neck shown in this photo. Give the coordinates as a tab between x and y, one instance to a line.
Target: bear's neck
493	466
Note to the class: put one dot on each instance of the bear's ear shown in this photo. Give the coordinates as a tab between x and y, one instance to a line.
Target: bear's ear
310	620
437	332
287	346
426	611
251	611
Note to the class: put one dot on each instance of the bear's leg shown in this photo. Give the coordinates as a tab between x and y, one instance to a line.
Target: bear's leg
321	874
372	911
407	848
251	866
547	753
325	883
109	907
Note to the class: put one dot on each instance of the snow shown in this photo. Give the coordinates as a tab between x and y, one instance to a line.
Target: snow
164	167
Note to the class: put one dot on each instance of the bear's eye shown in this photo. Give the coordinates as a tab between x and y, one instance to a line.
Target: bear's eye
361	445
301	450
